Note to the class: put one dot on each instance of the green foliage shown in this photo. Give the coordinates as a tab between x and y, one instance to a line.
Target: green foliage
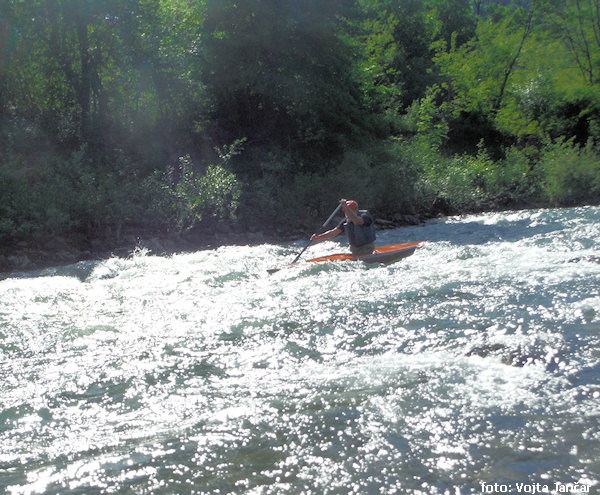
431	124
14	221
384	178
464	183
515	80
481	69
577	24
191	199
53	196
571	173
399	40
408	106
281	75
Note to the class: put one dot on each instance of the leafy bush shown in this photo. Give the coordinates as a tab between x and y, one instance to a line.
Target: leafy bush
572	174
53	195
179	204
68	196
382	177
477	182
15	220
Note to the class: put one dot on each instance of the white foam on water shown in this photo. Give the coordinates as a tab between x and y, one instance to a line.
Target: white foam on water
474	360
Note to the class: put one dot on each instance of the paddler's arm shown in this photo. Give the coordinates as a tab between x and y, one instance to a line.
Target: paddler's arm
326	235
351	215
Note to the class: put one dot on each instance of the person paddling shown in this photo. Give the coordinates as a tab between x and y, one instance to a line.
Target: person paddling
358	225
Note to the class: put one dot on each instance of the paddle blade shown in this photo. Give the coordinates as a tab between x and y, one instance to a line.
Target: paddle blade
271	271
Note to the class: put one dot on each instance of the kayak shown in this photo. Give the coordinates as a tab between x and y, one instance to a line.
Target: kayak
382	254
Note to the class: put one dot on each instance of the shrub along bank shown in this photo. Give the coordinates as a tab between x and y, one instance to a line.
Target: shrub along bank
68	212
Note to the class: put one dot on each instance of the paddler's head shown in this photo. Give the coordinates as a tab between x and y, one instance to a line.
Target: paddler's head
352	205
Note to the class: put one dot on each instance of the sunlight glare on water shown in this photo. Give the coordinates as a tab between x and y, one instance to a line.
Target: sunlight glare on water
474	361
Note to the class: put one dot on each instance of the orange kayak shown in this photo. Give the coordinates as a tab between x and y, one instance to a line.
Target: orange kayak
382	254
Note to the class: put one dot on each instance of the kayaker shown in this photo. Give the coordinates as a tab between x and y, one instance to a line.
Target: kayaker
358	225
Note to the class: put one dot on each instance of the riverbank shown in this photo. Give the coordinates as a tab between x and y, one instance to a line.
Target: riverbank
60	251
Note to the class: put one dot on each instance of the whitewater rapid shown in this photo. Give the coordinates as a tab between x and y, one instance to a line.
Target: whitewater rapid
472	365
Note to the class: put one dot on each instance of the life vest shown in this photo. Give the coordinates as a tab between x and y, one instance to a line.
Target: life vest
359	235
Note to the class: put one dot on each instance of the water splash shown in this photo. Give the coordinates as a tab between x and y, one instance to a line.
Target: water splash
475	360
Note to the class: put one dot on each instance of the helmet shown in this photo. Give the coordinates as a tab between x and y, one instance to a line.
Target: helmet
353	205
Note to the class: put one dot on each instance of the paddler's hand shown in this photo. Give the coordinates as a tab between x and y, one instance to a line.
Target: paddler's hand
313	237
345	209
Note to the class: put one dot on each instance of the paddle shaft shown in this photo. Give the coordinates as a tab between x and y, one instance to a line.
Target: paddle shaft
322	227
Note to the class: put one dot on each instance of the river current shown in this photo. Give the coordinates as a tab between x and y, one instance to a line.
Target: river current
472	366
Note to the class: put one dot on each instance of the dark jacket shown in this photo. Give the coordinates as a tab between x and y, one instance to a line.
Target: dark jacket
359	235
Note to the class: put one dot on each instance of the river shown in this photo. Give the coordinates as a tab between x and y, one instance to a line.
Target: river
472	366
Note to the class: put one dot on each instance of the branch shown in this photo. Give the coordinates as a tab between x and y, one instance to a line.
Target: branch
510	67
586	46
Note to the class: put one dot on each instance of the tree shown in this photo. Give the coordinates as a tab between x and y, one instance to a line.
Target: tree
399	40
481	69
280	74
483	75
577	23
